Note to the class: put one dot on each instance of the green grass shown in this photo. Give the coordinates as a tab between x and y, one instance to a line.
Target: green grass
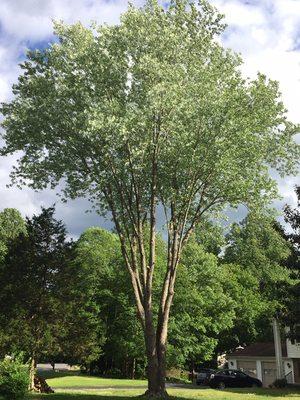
82	381
176	394
89	388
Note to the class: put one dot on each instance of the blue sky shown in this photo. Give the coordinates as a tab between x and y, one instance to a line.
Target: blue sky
265	32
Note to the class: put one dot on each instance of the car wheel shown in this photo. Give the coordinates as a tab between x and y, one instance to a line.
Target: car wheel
221	385
254	385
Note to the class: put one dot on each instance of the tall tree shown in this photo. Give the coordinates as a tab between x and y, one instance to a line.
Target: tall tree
150	111
256	254
292	218
291	293
41	314
11	226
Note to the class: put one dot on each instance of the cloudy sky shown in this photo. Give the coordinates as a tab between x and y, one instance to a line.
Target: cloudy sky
265	32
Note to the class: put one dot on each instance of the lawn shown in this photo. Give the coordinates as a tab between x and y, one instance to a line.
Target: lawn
71	380
176	394
69	386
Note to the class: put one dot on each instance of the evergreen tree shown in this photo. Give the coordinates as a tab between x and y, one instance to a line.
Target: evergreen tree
45	311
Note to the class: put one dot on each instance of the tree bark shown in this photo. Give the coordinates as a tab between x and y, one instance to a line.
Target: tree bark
133	368
152	363
31	374
161	370
156	371
155	341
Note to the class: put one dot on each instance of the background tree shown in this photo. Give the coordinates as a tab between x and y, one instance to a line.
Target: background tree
151	111
98	253
291	292
292	218
11	225
256	255
202	308
40	312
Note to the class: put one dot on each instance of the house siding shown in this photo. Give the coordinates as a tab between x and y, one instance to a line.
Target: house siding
293	350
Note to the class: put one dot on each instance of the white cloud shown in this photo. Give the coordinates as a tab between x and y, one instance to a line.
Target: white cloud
238	13
265	32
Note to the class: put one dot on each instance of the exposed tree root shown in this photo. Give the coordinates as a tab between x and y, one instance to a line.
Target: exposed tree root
155	395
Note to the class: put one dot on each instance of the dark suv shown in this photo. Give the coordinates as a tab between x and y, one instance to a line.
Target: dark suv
203	376
232	378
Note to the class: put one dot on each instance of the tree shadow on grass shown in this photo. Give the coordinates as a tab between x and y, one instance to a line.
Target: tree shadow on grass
267	393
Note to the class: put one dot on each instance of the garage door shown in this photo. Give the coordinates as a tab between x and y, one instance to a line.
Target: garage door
268	373
249	367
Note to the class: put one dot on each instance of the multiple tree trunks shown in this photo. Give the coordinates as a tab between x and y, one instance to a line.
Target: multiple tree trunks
41	386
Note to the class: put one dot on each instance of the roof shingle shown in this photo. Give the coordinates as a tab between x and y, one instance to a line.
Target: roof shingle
260	349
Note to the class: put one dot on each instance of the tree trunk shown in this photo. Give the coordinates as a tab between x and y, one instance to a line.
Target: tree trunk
152	362
161	370
31	373
156	374
133	368
155	387
156	368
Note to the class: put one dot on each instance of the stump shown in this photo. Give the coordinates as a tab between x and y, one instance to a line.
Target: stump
41	386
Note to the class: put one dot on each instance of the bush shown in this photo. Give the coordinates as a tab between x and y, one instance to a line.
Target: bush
113	373
280	383
14	379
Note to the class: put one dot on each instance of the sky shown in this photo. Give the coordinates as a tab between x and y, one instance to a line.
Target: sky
265	32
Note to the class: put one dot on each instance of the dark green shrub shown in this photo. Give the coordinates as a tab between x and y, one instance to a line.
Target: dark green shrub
113	373
280	383
14	379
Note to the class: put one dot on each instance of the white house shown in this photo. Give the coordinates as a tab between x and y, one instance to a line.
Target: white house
259	361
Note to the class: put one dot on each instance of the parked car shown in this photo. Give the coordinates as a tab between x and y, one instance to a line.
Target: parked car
203	376
232	378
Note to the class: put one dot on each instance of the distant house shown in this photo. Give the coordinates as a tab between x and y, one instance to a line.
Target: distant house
259	361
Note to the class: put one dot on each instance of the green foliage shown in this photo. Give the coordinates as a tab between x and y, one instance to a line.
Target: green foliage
211	236
291	292
256	243
217	305
85	107
254	259
150	111
14	378
11	225
99	255
201	310
46	310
